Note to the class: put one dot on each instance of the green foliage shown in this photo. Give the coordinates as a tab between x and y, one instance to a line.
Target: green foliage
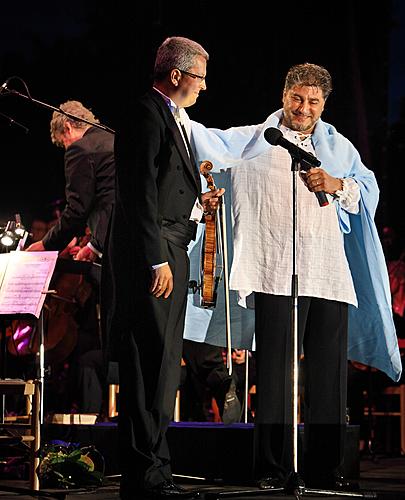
70	466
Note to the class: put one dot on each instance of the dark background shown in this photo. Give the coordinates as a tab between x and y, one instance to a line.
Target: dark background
101	53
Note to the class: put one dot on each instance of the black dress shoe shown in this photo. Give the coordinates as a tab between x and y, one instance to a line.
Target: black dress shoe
169	489
232	409
271	483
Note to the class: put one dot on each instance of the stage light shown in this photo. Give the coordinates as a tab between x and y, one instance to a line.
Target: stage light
13	236
8	237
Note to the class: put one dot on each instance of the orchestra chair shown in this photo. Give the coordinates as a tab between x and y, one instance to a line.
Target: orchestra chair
13	432
114	390
397	390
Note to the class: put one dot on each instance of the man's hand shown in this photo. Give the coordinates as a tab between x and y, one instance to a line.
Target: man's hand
162	282
316	179
38	246
210	200
87	254
238	356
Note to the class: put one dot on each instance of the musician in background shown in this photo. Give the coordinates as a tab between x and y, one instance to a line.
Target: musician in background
205	369
239	359
89	173
158	204
90	185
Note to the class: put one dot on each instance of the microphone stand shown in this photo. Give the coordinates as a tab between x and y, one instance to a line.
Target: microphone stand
294	479
58	110
294	484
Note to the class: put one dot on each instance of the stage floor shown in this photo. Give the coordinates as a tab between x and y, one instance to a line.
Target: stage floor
208	451
383	476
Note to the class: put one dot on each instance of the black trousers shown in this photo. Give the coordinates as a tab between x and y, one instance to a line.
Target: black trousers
149	374
322	332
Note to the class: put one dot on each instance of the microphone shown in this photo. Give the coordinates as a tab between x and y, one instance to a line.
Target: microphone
307	160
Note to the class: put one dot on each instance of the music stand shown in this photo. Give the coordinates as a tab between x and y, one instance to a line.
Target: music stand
24	281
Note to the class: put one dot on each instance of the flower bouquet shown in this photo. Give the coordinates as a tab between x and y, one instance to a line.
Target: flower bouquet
70	466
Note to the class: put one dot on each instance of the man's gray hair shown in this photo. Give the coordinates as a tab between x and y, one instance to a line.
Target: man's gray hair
177	52
58	121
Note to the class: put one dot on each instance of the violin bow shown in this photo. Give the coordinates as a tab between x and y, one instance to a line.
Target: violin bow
224	244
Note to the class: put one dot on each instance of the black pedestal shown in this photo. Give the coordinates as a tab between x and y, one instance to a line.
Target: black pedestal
209	450
217	451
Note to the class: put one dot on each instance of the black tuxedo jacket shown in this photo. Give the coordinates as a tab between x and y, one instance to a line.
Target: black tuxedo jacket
90	186
155	181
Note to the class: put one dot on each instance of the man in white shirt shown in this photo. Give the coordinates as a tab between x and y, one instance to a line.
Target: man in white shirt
327	238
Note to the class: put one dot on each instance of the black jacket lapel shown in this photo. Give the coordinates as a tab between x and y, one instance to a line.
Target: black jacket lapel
178	139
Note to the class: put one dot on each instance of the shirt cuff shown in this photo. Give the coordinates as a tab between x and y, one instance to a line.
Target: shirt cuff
349	196
94	250
156	266
197	212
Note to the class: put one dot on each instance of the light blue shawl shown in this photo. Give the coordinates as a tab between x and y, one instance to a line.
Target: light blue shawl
372	335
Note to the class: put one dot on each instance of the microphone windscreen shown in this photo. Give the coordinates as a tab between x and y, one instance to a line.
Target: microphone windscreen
272	135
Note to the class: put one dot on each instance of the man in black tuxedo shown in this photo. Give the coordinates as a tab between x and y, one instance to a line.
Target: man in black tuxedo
89	173
158	203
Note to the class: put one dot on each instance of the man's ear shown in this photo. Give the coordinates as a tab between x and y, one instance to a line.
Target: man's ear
68	127
175	77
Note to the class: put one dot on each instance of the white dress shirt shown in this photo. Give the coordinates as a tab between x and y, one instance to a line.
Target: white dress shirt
263	210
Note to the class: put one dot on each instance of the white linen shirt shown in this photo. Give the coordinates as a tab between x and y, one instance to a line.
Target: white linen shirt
263	209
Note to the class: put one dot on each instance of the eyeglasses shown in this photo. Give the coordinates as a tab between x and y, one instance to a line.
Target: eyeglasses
193	75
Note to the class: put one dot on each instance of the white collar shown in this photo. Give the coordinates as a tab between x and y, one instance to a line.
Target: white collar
296	137
172	105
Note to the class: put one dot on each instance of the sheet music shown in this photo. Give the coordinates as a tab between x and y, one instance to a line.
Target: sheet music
24	277
3	267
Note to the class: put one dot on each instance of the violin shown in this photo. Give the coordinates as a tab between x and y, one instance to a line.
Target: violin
215	260
211	247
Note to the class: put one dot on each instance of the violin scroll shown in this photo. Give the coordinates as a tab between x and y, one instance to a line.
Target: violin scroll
205	167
